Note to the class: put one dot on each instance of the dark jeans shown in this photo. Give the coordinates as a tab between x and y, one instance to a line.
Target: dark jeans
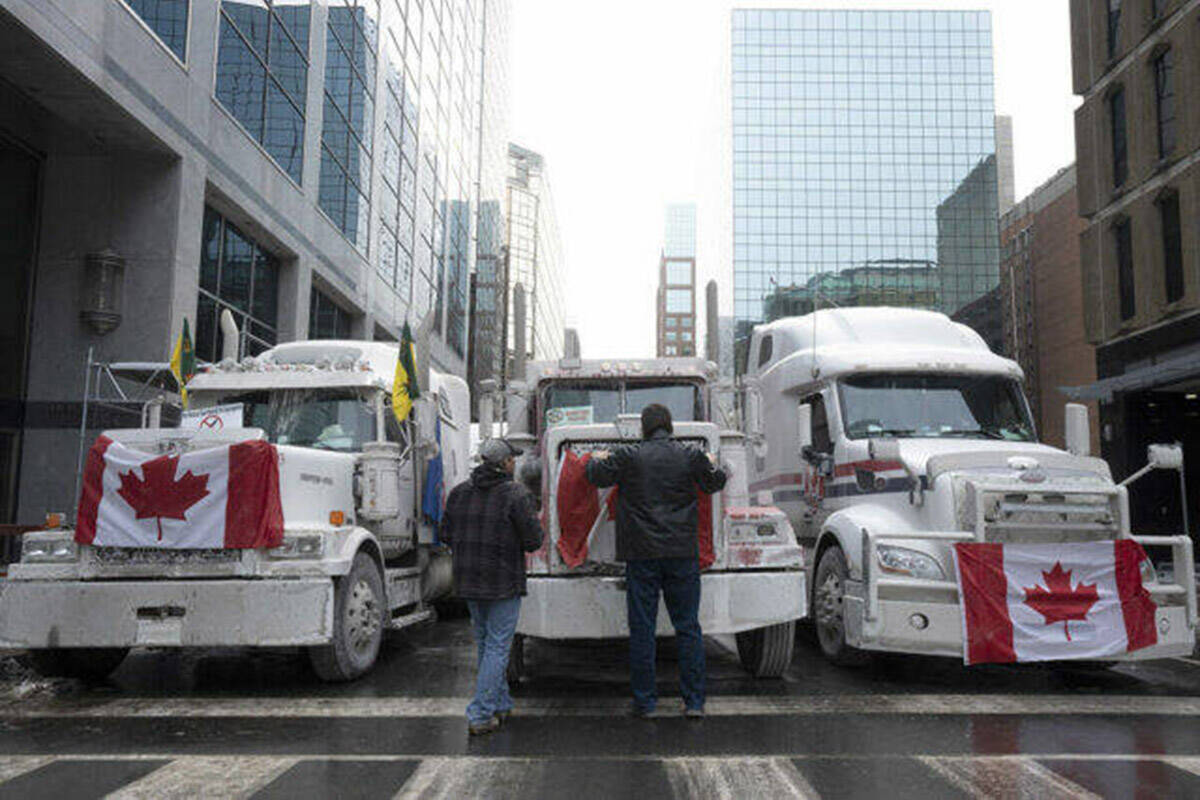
679	581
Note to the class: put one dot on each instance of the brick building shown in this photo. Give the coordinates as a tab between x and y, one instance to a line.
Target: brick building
1137	67
1041	300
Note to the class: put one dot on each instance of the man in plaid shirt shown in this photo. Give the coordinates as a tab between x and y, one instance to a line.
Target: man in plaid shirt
490	523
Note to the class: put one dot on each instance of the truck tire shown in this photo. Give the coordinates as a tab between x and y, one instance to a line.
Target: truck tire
829	612
86	663
766	652
516	660
358	618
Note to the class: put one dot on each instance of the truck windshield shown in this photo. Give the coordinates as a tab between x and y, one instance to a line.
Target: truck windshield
585	402
941	406
325	419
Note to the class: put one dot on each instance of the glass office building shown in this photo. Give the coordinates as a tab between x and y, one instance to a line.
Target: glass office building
864	163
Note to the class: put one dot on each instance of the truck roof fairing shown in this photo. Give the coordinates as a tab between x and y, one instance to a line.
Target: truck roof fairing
844	341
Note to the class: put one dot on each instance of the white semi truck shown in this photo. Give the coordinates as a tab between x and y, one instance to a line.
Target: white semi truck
357	557
887	435
754	588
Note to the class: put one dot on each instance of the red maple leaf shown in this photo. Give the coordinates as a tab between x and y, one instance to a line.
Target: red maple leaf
158	494
1059	602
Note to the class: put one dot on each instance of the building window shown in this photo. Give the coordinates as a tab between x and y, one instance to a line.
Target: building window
671	336
1114	26
262	75
169	21
1124	245
1164	95
1172	244
1120	150
672	322
349	116
686	336
679	301
326	319
679	273
235	274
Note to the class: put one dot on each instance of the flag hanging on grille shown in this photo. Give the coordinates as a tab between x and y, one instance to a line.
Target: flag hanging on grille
222	497
579	504
1049	602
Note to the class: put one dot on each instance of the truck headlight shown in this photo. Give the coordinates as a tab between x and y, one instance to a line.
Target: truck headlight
44	548
909	562
299	545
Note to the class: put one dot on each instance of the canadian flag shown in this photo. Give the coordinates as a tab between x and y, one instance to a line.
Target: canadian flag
1047	602
579	505
223	497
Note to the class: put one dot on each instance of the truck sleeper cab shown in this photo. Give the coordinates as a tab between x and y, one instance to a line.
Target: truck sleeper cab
357	556
887	435
755	587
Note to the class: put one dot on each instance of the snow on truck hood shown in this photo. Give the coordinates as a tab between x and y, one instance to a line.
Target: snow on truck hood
934	457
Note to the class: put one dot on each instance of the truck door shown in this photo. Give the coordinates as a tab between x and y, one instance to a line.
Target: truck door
817	468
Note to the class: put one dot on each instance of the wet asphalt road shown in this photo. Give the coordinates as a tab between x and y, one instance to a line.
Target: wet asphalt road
247	724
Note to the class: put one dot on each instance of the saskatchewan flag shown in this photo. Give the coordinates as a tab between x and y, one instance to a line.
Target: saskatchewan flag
404	386
183	361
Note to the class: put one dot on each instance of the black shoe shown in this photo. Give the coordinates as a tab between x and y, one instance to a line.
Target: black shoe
481	728
503	716
642	713
694	713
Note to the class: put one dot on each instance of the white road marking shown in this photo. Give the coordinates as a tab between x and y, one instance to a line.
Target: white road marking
206	777
1191	764
750	705
1006	778
732	779
455	778
12	766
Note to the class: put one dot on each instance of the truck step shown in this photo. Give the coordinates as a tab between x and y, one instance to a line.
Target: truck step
418	617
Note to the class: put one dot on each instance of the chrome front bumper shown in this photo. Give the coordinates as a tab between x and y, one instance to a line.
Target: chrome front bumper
38	614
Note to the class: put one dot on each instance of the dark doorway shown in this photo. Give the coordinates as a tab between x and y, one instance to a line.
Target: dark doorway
19	173
1163	417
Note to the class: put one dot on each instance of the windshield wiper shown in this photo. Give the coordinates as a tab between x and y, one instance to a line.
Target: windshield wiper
988	434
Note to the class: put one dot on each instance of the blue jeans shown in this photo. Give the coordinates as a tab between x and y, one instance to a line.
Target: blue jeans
495	622
679	581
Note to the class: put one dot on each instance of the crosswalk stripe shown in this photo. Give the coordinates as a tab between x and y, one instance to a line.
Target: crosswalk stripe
218	778
12	766
729	778
875	705
1188	763
455	778
1004	778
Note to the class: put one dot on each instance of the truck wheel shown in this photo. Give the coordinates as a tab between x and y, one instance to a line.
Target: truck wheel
86	663
516	660
829	611
358	616
766	652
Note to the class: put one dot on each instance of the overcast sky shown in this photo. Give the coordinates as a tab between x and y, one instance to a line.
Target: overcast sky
629	102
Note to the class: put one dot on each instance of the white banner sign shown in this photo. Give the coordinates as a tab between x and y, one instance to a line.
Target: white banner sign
214	418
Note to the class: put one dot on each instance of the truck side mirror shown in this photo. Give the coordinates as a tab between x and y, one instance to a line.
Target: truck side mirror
1078	430
804	427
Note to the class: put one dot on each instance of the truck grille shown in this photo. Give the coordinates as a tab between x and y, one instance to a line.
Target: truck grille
152	555
1052	515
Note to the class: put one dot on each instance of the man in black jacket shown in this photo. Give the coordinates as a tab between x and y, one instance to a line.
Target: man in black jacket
657	539
490	523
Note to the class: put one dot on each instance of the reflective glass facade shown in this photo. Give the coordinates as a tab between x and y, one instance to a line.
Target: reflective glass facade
535	258
235	274
441	152
864	161
262	74
169	21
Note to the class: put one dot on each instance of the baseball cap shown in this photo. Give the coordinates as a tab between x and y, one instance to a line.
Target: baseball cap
496	450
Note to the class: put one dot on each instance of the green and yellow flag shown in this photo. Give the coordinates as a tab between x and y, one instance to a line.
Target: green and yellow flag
183	361
404	386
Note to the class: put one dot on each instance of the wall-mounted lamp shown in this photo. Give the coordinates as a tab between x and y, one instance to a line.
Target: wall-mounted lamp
103	290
